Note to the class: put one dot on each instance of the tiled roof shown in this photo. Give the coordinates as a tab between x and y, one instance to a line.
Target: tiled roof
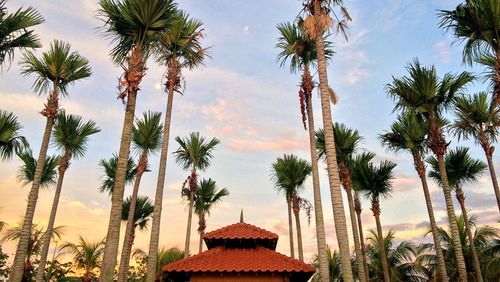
220	259
240	231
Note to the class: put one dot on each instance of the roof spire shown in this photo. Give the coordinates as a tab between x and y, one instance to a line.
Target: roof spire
241	216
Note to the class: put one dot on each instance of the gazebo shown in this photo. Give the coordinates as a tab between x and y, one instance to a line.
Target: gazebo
240	252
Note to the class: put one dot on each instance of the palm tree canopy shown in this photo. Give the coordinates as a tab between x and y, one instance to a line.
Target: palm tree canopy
372	180
143	211
181	42
347	142
477	22
14	31
460	167
134	23
10	140
289	173
195	151
423	91
164	257
476	115
71	134
26	171
59	65
86	254
207	196
147	133
334	266
109	168
407	133
298	48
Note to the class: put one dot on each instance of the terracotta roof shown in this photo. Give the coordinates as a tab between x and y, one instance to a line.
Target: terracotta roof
220	259
240	231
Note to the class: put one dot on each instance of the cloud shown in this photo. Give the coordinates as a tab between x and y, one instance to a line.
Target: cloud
355	74
246	29
442	50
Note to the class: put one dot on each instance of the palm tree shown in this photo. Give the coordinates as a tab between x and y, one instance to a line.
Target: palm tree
207	196
194	153
407	133
480	120
461	168
10	140
429	96
141	217
13	233
55	72
133	26
477	22
164	257
109	168
289	174
87	256
70	135
347	142
486	242
178	47
317	23
146	137
26	172
375	183
14	33
334	266
300	50
401	259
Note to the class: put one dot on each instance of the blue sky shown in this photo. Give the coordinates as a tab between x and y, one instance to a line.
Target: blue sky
244	98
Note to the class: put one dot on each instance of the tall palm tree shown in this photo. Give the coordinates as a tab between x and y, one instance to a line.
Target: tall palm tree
334	266
178	47
300	50
55	71
461	168
87	255
375	183
146	137
477	22
14	33
13	233
141	217
164	257
289	174
207	196
430	96
10	140
317	23
194	153
133	26
480	120
26	172
401	259
347	142
109	168
70	135
407	133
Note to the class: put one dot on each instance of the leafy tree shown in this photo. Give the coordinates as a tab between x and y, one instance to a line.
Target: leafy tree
109	168
10	140
87	256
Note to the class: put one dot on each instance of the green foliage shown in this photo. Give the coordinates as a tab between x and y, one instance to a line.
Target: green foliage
143	211
4	269
10	140
407	133
371	180
109	167
147	133
26	171
87	255
195	151
14	33
289	174
207	196
164	257
58	66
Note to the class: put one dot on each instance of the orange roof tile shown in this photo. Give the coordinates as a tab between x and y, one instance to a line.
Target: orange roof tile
240	231
220	259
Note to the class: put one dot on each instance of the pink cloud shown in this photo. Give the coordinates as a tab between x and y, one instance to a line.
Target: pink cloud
240	145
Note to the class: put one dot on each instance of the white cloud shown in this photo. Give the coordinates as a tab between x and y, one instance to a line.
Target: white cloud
443	51
355	74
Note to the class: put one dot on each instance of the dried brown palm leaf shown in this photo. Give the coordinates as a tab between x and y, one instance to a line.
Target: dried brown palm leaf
333	96
323	23
309	26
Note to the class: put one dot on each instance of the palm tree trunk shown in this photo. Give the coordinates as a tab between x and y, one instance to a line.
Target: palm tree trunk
50	112
129	231
318	206
331	158
290	227
190	215
299	235
154	241
457	245
113	234
63	166
488	151
357	208
419	166
380	235
475	259
359	258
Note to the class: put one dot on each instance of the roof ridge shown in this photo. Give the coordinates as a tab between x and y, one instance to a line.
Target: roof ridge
240	230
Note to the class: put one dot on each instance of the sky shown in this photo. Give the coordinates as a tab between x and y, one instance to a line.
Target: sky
245	99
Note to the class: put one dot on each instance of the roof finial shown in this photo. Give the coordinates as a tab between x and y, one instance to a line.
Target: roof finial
241	216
